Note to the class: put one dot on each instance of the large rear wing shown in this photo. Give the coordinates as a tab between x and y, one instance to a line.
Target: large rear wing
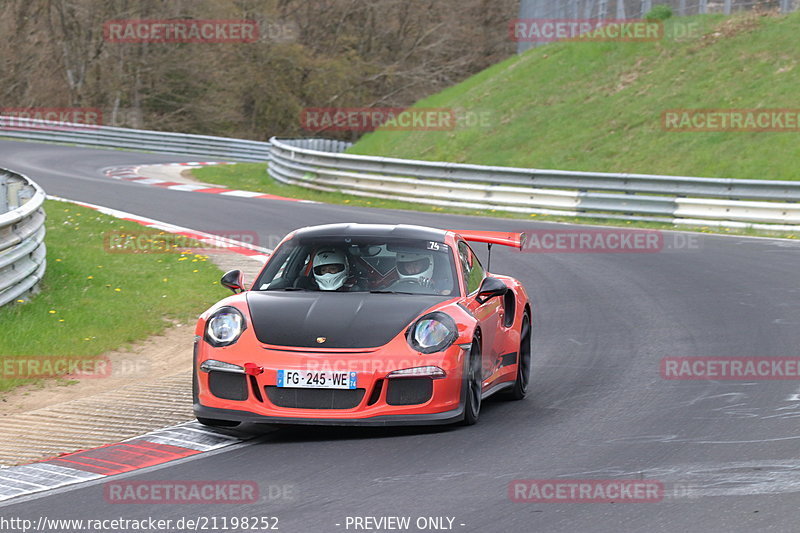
516	240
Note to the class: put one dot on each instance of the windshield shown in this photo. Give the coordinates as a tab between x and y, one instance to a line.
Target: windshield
361	264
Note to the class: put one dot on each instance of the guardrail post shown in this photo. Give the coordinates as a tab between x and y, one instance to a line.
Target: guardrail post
23	195
12	194
620	9
3	194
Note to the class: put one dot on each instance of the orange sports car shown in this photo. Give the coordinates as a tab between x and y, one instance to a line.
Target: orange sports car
362	324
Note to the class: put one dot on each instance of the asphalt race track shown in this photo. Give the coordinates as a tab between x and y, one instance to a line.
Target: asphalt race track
728	452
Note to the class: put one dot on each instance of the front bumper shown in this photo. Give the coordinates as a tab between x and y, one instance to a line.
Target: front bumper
256	399
432	419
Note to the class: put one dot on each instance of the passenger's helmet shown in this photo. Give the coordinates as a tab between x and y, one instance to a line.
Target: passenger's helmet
330	269
415	266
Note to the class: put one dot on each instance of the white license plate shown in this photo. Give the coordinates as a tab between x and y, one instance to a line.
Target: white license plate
308	379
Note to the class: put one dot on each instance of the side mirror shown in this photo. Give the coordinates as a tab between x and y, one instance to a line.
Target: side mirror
490	288
234	280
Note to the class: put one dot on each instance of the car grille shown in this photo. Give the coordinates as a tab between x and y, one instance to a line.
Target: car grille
409	391
227	385
314	398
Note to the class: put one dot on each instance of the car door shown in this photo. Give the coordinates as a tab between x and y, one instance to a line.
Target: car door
488	314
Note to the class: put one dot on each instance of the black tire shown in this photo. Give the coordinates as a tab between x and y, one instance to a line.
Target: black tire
520	388
473	384
214	423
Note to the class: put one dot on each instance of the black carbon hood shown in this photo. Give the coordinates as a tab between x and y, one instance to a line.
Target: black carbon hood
346	320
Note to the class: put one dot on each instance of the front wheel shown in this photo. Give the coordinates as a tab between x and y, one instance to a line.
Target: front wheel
520	388
473	384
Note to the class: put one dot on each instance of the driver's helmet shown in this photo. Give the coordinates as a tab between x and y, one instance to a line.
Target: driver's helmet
415	266
330	269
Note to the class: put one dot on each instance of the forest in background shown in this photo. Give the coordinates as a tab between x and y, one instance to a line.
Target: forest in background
310	53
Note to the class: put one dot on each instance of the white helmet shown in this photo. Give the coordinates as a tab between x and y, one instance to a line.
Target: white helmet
414	266
334	276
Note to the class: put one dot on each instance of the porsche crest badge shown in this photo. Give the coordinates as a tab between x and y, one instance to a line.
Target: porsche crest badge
320	340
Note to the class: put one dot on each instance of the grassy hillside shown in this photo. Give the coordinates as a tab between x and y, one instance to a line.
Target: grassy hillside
598	106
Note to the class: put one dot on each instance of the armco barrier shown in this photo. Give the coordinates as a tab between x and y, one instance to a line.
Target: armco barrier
319	164
146	140
22	249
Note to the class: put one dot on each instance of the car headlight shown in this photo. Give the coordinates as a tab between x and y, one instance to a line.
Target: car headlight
224	327
432	332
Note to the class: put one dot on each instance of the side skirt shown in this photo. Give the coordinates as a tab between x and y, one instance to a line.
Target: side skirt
496	388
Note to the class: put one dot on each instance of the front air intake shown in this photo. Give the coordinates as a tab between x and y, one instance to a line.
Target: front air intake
314	398
409	391
228	385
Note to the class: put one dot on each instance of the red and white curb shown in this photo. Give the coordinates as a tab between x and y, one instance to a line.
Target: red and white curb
152	449
217	241
132	173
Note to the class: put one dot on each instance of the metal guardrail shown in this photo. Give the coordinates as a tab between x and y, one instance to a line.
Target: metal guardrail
22	249
319	164
153	141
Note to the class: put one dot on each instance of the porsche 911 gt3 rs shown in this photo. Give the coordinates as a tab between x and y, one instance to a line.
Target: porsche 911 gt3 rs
361	324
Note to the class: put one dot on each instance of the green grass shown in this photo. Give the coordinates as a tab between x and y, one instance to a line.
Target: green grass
93	301
254	177
597	106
